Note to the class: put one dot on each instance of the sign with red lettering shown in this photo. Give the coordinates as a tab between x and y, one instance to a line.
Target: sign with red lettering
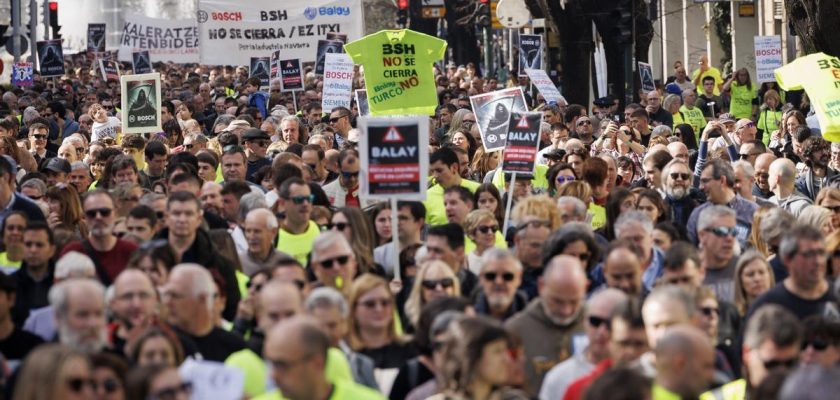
394	157
291	75
768	57
523	141
338	82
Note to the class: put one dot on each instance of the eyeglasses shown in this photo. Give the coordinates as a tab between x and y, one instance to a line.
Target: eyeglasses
35	198
302	199
708	311
335	119
40	137
485	229
596	322
171	393
340	260
372	303
680	175
722	231
773	364
78	384
188	146
817	344
349	175
432	284
109	385
468	121
561	179
506	276
104	212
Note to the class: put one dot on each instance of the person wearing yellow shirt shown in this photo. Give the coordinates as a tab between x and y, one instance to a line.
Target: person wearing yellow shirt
692	115
297	231
706	70
444	167
742	92
672	104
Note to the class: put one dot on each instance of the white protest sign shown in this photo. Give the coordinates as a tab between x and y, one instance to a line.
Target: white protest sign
768	57
212	380
544	84
338	82
233	31
166	40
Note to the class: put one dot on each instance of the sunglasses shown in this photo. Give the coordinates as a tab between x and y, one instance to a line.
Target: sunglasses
680	175
338	225
109	385
722	231
340	260
335	119
302	199
35	198
581	123
372	303
506	276
188	146
561	179
348	175
104	212
597	322
773	364
747	125
40	137
468	121
708	311
78	384
432	284
172	393
487	229
817	344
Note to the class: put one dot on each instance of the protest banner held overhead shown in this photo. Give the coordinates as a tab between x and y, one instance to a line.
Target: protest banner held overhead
338	82
768	57
530	53
399	77
50	58
819	75
260	68
110	70
492	113
166	40
544	84
291	75
141	103
96	38
326	47
393	156
141	63
646	76
523	142
22	74
233	31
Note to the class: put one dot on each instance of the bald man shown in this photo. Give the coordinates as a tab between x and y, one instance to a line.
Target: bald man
623	270
134	304
599	308
666	306
679	151
761	188
685	363
552	326
782	179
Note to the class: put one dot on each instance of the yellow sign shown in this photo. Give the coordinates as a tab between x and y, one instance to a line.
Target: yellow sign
494	20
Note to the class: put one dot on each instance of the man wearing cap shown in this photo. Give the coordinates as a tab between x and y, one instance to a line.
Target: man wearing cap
237	126
744	131
256	143
56	171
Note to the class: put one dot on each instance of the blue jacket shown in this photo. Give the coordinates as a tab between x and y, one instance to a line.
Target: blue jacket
260	101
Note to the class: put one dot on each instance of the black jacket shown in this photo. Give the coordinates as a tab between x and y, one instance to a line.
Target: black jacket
203	252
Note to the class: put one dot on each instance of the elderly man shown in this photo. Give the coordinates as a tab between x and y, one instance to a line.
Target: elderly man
745	182
549	324
761	188
79	306
658	115
80	177
297	349
260	231
571	209
684	363
189	297
623	270
501	275
599	308
716	233
636	229
745	132
782	181
678	150
333	261
717	181
134	305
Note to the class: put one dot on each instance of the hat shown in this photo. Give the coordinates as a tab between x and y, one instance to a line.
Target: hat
57	165
254	134
7	283
743	122
673	88
603	102
236	124
556	154
726	118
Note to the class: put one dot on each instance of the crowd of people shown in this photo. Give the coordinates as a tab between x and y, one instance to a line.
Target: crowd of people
686	246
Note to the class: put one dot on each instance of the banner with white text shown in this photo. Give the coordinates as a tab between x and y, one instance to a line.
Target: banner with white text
166	40
768	57
338	82
233	31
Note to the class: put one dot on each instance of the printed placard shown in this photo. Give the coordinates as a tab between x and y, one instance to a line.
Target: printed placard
110	70
394	157
22	74
546	87
646	77
338	82
523	142
291	75
768	57
362	102
96	38
50	58
492	113
260	68
141	62
326	47
141	103
530	53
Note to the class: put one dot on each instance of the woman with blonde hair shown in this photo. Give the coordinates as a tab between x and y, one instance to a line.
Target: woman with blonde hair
434	279
829	197
66	210
753	277
769	117
54	371
755	240
481	227
484	162
539	207
818	217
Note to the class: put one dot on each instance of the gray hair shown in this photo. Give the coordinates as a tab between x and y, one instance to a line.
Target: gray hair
149	198
327	297
224	120
775	223
59	294
202	281
74	265
661	130
578	206
291	118
790	241
326	240
633	217
273	121
713	212
249	202
498	254
746	168
78	165
669	100
35	183
814	216
673	294
822	383
198	137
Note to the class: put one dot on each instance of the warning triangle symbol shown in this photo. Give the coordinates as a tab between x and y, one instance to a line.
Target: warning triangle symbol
289	64
523	123
393	136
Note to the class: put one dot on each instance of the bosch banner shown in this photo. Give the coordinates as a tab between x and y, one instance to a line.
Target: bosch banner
394	157
233	31
338	82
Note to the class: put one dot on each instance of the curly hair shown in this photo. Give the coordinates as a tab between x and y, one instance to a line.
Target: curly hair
812	145
542	207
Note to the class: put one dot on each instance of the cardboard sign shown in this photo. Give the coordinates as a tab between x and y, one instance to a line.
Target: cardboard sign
768	57
646	77
523	142
140	103
530	53
291	75
50	58
212	380
492	113
362	102
338	82
141	62
22	74
326	47
394	157
544	84
96	38
110	70
260	68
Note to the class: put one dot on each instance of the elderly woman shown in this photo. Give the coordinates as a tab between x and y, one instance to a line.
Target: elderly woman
481	227
672	105
818	217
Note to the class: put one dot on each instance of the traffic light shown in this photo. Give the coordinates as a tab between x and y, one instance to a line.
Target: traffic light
622	19
402	13
55	27
482	13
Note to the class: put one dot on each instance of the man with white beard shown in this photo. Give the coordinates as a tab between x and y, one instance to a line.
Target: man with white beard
79	306
680	195
501	275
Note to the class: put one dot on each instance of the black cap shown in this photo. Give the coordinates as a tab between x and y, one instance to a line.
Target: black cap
8	284
556	154
254	134
603	101
56	164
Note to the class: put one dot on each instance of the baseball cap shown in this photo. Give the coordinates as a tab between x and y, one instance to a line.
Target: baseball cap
236	124
254	134
726	118
603	102
56	164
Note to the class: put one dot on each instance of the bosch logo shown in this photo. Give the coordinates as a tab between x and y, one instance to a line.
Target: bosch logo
202	16
130	118
310	13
